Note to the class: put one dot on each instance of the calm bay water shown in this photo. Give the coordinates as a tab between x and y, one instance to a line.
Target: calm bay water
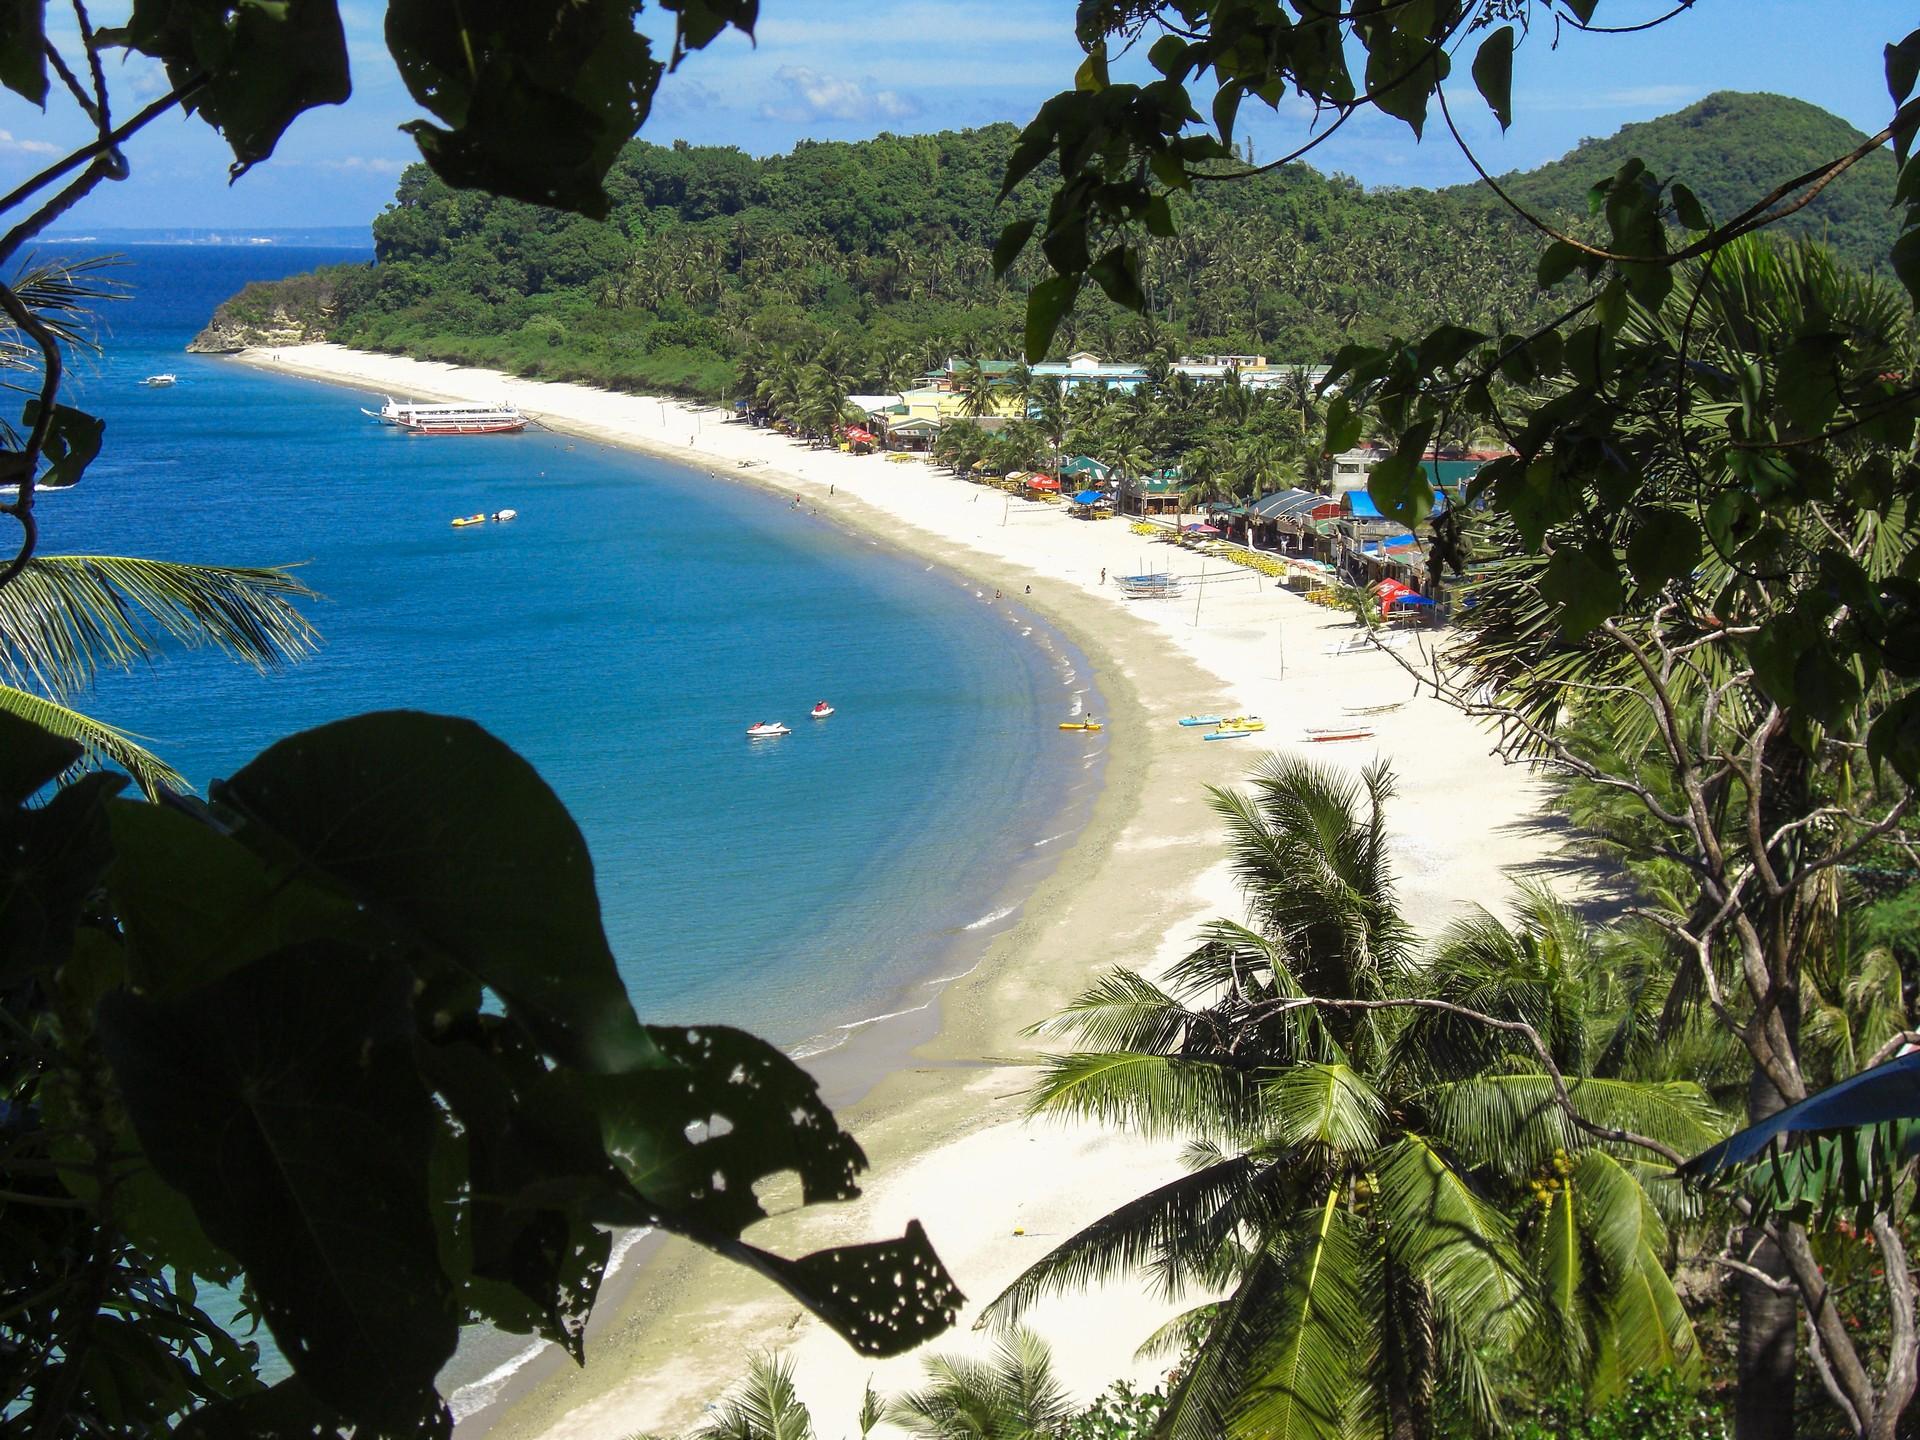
621	634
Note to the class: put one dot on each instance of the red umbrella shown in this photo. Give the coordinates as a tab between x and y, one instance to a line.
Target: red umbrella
1042	482
1203	529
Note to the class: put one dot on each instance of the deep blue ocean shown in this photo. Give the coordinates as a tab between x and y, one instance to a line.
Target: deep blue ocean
621	634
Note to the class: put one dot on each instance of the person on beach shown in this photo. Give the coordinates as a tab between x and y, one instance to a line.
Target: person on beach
1103	574
1029	589
996	594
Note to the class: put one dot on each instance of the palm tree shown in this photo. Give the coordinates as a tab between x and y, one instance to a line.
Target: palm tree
975	389
1013	1396
63	618
1351	1191
763	1406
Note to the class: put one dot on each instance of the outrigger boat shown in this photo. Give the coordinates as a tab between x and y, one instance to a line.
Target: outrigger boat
500	419
766	730
1243	722
1227	735
1087	724
1320	736
1200	720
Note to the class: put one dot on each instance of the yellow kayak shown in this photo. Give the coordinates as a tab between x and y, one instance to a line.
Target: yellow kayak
1243	722
1080	725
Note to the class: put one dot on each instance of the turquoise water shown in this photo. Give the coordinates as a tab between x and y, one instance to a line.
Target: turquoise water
621	634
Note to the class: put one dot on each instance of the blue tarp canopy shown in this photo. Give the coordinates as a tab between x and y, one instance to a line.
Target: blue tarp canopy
1089	497
1360	505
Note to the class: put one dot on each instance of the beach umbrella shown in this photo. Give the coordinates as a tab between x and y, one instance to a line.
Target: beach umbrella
1203	530
1042	482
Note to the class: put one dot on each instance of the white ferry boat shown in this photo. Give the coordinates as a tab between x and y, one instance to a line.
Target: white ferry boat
499	419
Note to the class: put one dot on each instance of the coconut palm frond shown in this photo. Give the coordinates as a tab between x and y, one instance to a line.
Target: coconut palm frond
1643	1327
65	617
1180	1335
1299	1383
63	294
1326	1108
1439	1228
1157	1095
1122	1011
1127	1238
763	1406
1015	1395
101	744
1514	1121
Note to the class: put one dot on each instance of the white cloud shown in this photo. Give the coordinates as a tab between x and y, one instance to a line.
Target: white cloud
814	95
27	147
361	165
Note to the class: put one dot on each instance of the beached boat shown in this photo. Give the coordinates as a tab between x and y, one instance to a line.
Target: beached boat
1081	725
1150	587
160	380
1372	709
1320	736
821	711
462	521
462	419
1200	720
1226	735
766	730
1243	722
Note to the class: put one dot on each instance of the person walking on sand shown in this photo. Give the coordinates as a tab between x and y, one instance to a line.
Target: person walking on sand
1103	574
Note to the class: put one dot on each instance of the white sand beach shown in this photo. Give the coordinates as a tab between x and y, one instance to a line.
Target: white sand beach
946	1134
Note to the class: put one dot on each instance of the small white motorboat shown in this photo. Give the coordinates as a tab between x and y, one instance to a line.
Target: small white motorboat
161	379
500	515
766	730
821	710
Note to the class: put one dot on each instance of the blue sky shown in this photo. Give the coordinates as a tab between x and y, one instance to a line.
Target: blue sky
845	69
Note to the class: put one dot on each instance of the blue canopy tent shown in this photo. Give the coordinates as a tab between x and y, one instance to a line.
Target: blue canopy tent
1089	497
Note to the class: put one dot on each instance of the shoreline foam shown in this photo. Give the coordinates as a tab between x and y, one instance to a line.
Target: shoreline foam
944	1131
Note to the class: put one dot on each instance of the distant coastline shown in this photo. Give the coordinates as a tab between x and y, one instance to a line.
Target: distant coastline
316	237
945	1129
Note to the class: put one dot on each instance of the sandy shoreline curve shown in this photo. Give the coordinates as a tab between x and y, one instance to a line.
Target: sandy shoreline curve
946	1134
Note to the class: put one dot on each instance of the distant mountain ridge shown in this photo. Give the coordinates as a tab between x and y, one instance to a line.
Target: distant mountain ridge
874	256
1731	149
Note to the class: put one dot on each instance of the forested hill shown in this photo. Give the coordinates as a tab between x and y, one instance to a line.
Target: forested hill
873	258
1731	149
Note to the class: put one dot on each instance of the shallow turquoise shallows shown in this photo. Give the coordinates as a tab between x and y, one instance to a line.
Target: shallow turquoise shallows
622	633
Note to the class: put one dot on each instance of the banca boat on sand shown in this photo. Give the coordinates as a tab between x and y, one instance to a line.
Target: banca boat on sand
1081	725
1200	719
766	730
461	419
1226	735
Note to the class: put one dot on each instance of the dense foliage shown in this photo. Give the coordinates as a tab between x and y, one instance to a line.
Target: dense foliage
711	257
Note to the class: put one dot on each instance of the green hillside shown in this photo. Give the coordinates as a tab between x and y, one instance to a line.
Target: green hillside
1732	148
875	257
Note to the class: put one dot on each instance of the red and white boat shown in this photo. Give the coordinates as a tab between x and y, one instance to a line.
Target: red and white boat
463	419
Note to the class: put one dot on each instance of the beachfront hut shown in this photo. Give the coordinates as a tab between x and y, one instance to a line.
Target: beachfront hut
1086	468
907	432
1161	494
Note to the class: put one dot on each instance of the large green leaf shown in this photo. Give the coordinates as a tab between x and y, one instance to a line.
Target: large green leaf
434	822
195	904
23	54
538	95
262	62
282	1101
30	756
1330	1108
